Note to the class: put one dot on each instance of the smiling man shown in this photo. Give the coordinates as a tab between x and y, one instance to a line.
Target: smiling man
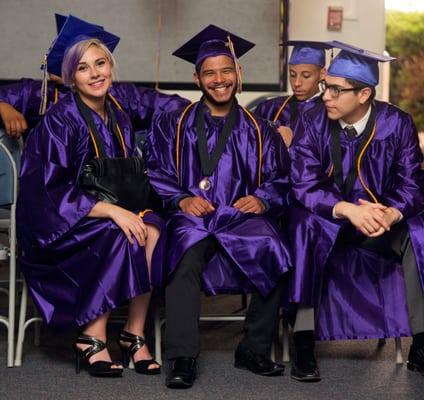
223	173
360	198
306	70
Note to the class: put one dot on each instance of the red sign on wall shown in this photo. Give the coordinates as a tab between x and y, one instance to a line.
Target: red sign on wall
335	18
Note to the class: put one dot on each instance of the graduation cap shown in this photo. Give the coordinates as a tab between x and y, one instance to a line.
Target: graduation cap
211	42
71	30
60	21
214	41
74	30
308	52
355	63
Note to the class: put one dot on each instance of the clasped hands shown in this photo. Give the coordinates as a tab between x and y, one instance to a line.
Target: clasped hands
371	219
199	207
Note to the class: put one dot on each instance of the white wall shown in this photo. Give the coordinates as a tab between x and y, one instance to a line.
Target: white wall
363	23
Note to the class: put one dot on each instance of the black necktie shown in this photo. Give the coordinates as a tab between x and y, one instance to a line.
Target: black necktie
350	131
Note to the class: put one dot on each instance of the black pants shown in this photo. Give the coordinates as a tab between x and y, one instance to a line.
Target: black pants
183	297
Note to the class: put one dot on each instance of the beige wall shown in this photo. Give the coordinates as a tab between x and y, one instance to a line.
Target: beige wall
363	25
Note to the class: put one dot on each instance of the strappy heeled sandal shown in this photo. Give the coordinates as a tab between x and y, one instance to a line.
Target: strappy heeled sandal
135	343
97	368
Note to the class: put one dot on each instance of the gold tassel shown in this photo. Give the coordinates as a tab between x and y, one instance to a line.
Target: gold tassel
238	68
43	104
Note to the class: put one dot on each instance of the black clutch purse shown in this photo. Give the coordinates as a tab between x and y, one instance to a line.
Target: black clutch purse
121	181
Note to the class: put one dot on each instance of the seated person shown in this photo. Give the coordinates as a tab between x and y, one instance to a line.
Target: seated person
82	257
359	194
306	70
224	174
23	104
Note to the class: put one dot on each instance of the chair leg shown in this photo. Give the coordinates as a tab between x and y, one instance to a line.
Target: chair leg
398	347
158	334
12	300
21	327
286	350
37	329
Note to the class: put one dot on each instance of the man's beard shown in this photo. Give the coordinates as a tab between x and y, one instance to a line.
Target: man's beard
212	100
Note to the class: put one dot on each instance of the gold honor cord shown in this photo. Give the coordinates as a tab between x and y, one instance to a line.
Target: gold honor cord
121	137
56	95
374	198
96	149
280	110
259	133
141	214
115	102
361	154
118	129
178	139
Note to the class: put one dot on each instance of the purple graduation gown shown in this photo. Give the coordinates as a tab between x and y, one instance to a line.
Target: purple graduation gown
290	114
363	294
254	253
139	103
76	267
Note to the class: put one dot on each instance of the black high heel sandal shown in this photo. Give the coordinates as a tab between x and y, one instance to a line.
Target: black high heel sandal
136	342
97	368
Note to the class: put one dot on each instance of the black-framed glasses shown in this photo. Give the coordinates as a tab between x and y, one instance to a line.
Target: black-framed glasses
335	90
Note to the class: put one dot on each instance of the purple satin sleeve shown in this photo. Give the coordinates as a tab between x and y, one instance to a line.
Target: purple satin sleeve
141	103
160	153
406	189
49	177
20	94
311	185
274	186
268	109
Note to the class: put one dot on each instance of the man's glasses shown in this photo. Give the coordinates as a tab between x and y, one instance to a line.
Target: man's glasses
335	90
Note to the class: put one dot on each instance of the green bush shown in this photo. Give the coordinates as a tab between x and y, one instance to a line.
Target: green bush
405	40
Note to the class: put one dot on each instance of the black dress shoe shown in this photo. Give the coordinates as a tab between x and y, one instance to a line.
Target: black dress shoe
305	367
256	363
416	359
182	373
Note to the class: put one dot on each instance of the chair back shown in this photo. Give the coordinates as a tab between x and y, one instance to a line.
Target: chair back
10	155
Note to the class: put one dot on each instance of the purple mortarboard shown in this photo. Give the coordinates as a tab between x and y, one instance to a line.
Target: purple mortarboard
71	30
60	21
211	42
307	52
356	63
74	30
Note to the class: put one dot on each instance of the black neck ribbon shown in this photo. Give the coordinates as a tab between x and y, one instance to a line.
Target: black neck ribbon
86	113
208	162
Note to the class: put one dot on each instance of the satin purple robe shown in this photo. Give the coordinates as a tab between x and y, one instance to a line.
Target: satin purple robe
139	103
363	294
268	109
76	267
254	252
